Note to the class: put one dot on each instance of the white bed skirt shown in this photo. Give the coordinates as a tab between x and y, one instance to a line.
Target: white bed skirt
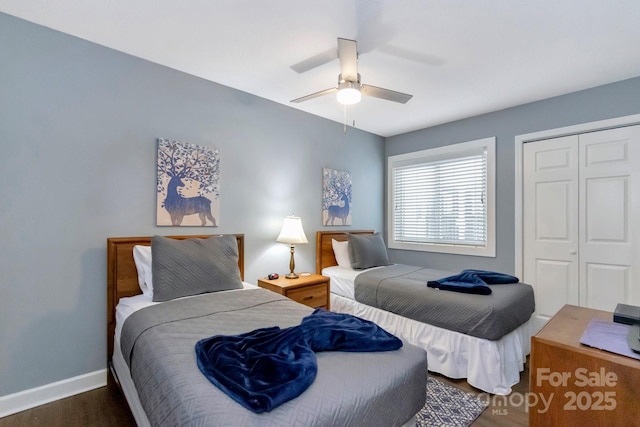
128	388
491	366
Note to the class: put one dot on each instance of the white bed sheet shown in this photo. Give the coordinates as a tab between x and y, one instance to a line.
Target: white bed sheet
491	366
343	279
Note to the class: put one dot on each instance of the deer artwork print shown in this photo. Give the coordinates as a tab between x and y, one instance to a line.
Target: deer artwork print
336	197
179	206
339	212
187	184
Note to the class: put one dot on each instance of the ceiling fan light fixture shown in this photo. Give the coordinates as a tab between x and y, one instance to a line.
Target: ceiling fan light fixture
350	90
349	94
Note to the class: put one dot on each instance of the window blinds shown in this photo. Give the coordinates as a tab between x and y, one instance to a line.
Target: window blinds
442	202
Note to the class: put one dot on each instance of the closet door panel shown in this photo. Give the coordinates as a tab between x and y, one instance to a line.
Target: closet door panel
550	223
606	284
609	172
552	288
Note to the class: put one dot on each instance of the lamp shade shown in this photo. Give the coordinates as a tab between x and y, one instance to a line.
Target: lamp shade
292	231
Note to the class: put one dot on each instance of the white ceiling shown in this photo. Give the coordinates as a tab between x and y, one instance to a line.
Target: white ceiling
458	58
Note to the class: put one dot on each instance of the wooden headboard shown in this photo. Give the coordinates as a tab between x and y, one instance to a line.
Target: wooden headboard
324	250
122	276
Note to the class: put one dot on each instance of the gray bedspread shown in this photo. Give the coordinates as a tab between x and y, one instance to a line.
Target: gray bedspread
402	289
351	389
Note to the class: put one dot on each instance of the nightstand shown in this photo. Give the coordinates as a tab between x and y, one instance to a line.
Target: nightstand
311	290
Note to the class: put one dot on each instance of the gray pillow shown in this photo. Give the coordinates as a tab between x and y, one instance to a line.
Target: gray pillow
367	250
193	266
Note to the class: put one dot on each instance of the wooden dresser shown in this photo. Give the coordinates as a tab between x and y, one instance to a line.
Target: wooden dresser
581	385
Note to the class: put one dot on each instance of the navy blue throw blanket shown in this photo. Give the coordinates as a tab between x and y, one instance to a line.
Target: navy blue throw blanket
472	281
265	368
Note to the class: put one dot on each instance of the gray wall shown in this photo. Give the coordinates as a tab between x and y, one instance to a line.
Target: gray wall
603	102
78	129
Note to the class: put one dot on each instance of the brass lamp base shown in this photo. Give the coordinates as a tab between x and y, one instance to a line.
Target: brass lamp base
292	266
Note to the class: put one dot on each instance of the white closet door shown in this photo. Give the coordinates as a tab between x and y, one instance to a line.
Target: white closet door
550	218
609	220
581	232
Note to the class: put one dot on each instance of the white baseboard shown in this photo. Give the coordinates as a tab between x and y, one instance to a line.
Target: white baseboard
27	399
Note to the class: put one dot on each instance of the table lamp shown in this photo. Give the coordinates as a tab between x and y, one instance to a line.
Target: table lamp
293	234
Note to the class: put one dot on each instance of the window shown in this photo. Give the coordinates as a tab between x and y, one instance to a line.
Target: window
443	199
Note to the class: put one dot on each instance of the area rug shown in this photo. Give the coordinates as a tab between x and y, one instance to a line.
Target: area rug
449	406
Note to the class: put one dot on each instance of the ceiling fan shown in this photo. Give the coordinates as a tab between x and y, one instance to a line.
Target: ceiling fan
350	90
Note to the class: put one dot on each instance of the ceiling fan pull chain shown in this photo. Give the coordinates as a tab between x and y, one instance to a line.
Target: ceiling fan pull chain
345	118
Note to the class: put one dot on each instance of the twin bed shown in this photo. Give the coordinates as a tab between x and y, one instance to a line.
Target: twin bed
151	344
483	338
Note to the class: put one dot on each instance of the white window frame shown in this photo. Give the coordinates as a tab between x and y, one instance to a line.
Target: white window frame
440	153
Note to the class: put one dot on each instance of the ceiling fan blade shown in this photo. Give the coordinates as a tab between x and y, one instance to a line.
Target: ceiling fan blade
315	61
315	95
372	29
389	95
348	53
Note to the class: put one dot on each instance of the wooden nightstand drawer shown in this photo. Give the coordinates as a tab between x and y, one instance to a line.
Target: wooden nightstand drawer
310	289
313	296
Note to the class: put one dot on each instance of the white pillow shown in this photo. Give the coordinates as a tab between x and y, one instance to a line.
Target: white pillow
142	259
341	252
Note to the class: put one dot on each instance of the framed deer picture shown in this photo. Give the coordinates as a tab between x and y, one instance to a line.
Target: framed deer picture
336	197
187	184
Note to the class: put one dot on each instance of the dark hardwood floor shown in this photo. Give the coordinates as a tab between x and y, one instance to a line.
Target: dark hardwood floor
100	407
108	408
